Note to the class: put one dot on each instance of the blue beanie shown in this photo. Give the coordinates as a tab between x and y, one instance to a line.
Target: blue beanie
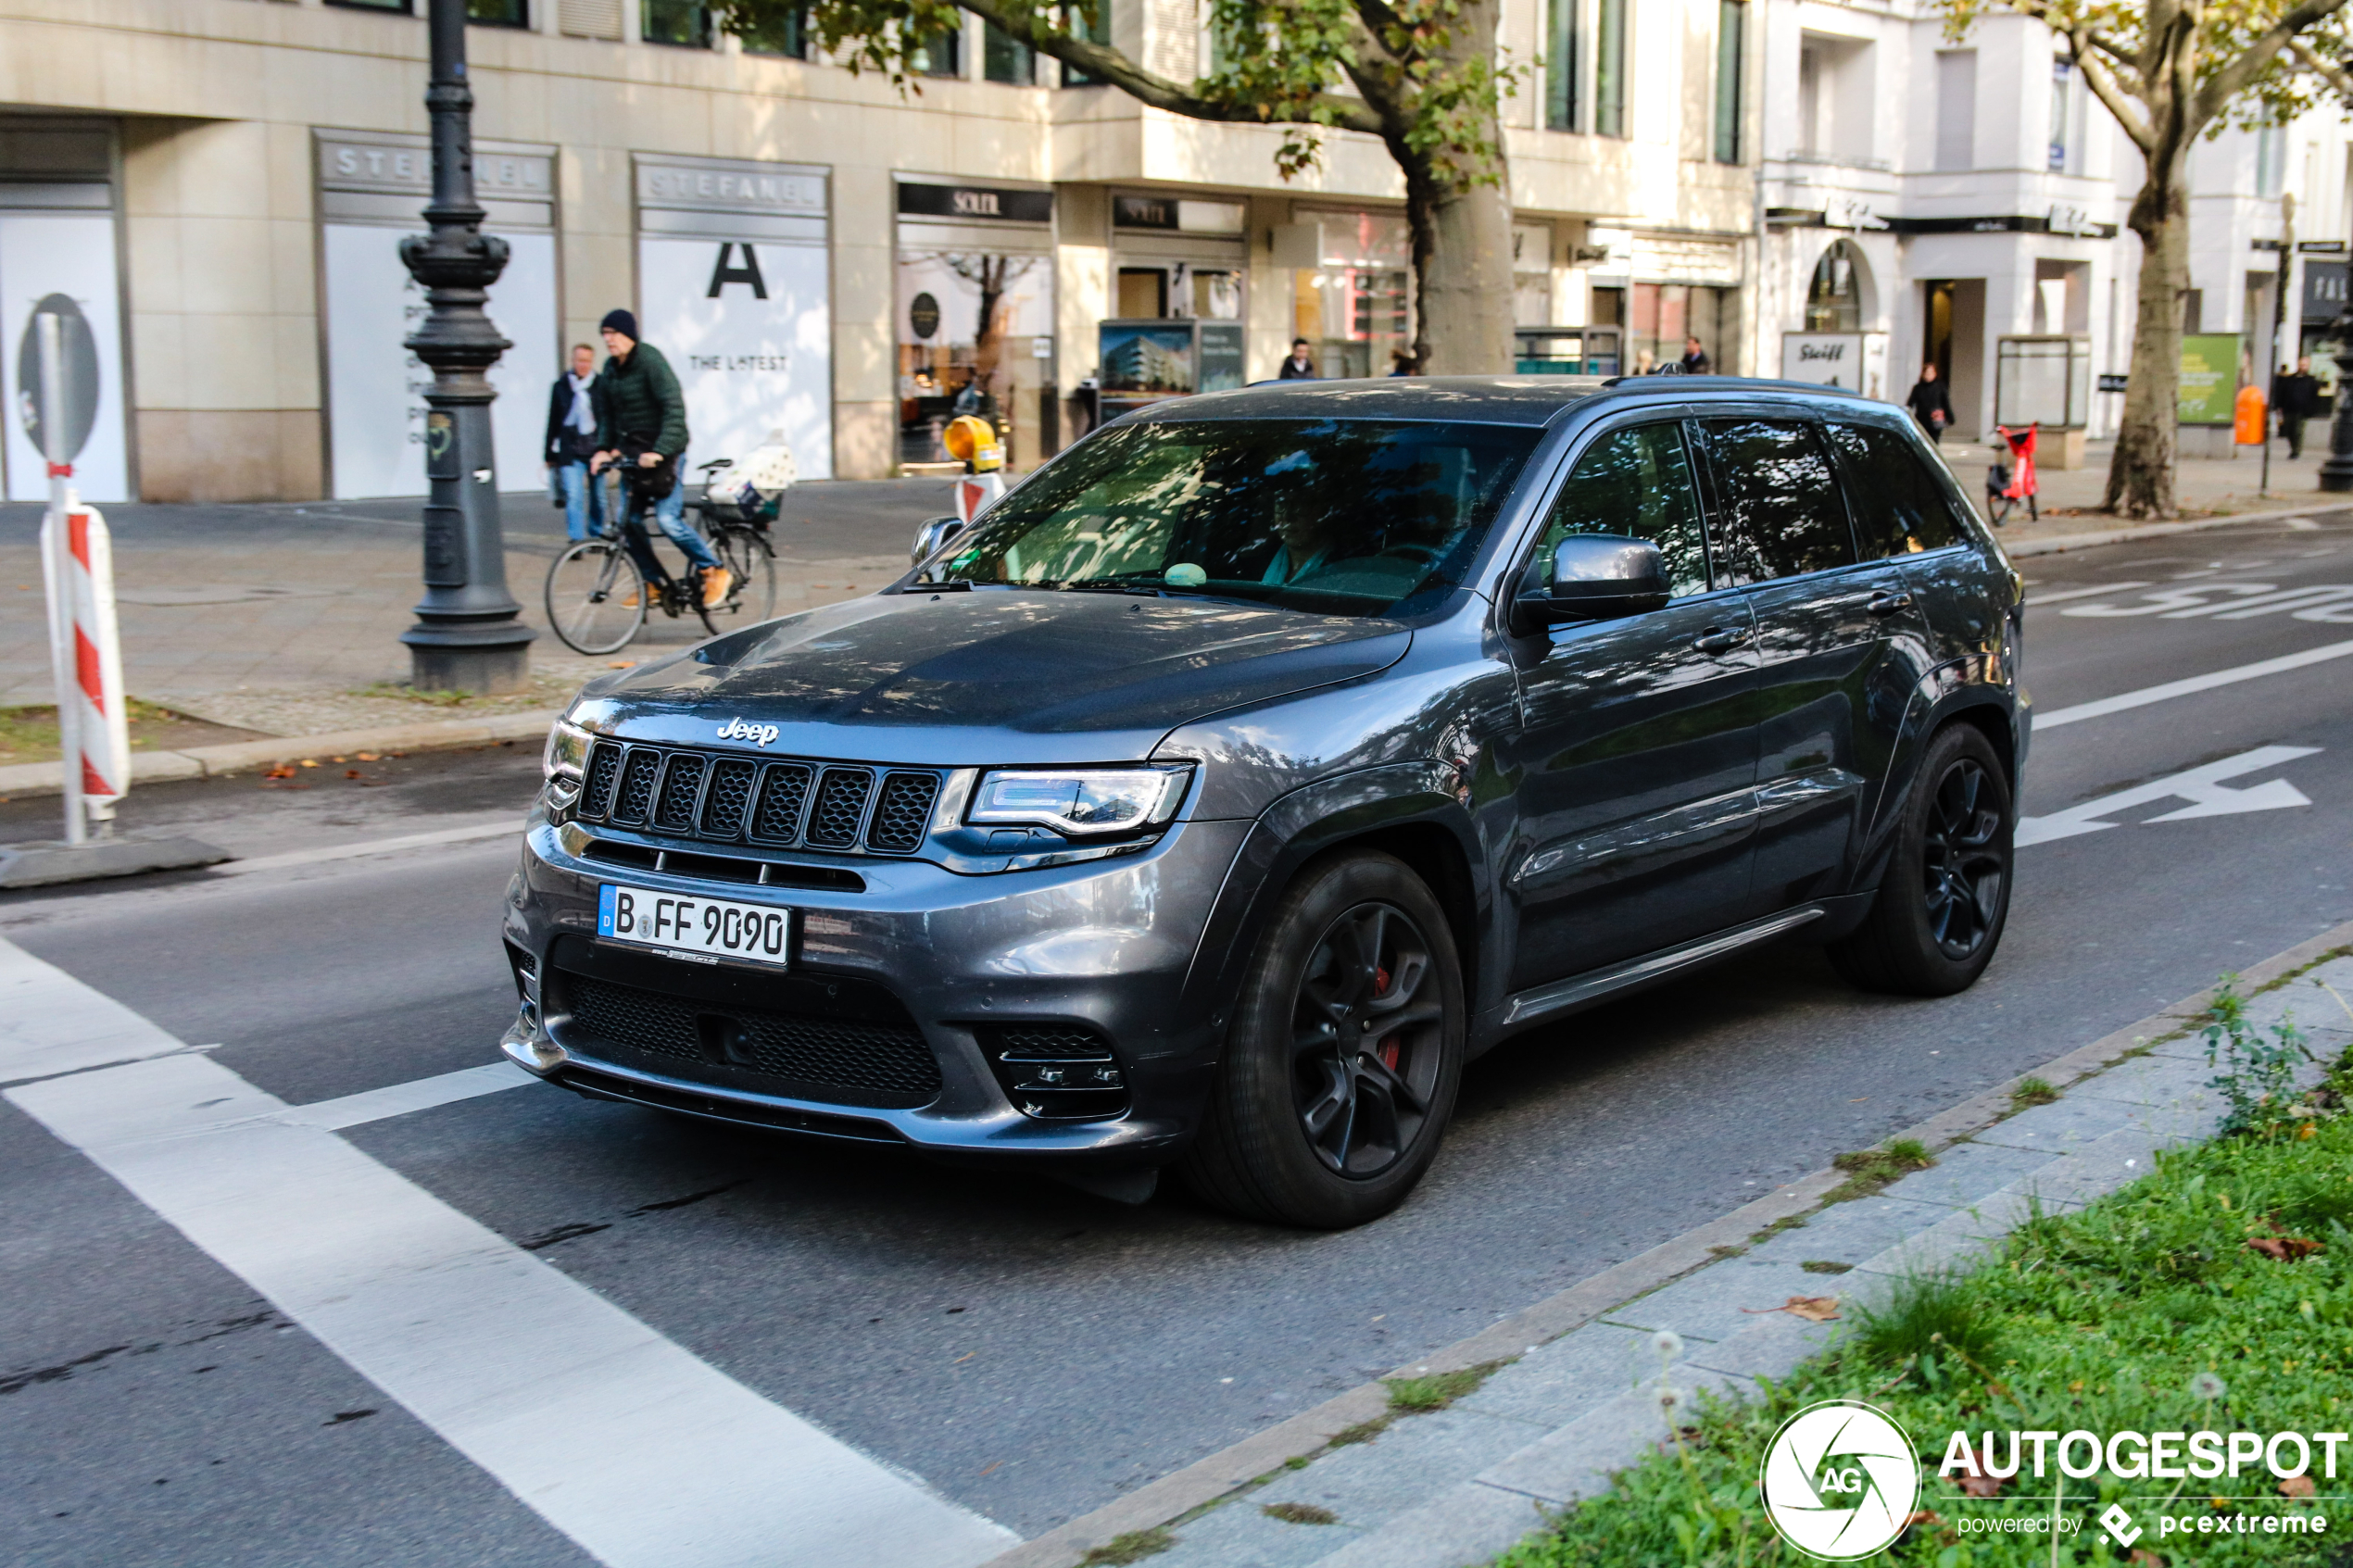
619	321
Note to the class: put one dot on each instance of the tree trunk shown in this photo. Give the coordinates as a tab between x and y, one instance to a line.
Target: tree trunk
2140	475
1461	274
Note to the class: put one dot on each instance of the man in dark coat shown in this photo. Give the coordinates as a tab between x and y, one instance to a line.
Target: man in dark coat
1301	366
1930	404
570	443
644	408
1694	357
2296	396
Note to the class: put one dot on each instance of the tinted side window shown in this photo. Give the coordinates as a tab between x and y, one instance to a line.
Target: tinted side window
1781	505
1636	483
1899	506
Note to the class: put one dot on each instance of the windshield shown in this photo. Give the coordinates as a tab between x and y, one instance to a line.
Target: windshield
1340	517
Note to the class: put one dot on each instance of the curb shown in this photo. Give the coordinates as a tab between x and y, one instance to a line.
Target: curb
1308	1432
211	762
2060	543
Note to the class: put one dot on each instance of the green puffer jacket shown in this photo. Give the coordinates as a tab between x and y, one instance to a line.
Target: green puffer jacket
641	398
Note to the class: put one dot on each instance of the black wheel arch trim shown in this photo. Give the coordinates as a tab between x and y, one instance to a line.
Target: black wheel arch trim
1406	809
1963	689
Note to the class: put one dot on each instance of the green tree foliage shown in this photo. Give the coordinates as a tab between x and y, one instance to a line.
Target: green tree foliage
2171	72
1421	75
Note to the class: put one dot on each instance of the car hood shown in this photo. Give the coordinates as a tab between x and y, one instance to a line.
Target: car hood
971	678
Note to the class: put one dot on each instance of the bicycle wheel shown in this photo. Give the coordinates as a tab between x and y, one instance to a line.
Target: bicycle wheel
595	596
752	596
1997	508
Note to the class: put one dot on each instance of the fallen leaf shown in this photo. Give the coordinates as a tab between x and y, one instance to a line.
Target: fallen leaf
2298	1486
334	759
351	772
1980	1486
623	664
2284	1249
1813	1309
365	756
1923	1516
311	762
2144	1558
280	772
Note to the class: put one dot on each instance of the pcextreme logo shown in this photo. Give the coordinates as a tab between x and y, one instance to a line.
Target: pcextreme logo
1839	1480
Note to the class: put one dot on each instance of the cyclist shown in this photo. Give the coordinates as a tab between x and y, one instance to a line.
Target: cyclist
644	419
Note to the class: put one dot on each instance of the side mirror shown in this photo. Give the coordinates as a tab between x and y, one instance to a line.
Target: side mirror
1595	577
931	535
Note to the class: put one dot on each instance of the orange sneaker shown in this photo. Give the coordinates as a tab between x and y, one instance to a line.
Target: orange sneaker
716	581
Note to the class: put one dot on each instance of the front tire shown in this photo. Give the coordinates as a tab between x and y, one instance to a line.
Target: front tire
1341	1072
1946	896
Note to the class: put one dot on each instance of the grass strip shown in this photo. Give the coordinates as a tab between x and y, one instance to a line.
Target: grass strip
2149	1311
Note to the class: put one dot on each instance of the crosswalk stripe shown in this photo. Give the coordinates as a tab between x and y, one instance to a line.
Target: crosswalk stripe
640	1451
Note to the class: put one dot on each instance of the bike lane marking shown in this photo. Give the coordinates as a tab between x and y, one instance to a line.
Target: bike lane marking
2126	701
2202	787
637	1449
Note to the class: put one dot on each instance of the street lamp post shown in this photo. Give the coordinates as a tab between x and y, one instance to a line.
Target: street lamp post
467	636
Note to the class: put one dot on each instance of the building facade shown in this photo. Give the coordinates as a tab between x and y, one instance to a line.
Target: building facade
219	185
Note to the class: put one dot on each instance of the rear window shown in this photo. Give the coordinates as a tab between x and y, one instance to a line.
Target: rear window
1340	516
1900	509
1784	509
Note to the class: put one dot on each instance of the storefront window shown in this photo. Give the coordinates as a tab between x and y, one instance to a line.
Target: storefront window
1356	307
1091	22
1834	300
974	337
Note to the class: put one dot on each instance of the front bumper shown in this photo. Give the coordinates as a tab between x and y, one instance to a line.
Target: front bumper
1105	945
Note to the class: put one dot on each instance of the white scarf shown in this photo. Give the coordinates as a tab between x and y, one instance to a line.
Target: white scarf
581	419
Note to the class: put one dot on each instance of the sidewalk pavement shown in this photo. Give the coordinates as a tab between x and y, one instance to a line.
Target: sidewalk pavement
1459	1487
2205	487
277	617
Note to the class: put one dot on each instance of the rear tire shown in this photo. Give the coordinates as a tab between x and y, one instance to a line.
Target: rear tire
1946	896
1341	1072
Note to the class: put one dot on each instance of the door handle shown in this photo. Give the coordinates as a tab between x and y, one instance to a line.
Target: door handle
1886	603
1720	639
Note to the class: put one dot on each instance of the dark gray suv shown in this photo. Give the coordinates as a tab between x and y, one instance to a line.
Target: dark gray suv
1267	756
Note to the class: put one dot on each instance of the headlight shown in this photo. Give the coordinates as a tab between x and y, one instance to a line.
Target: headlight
567	751
1082	802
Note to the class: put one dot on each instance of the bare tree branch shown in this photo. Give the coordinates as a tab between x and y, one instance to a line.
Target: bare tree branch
2116	97
2319	65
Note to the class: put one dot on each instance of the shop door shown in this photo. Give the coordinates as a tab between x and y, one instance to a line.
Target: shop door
43	254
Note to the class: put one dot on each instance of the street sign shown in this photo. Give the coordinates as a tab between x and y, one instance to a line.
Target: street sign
2110	381
77	378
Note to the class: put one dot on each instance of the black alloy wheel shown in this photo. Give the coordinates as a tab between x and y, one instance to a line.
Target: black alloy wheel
1964	864
1942	903
1366	1043
1344	1052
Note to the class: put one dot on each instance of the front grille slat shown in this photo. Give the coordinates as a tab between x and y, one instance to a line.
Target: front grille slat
841	805
688	794
903	813
856	1060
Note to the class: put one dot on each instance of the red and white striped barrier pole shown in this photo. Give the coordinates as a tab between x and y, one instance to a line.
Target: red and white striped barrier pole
77	563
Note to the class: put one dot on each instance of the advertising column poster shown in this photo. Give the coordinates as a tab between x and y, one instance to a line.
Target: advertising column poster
732	287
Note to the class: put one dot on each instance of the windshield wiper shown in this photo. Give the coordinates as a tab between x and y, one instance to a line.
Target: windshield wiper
1113	586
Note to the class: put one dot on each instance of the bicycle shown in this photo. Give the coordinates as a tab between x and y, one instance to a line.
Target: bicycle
598	595
2008	484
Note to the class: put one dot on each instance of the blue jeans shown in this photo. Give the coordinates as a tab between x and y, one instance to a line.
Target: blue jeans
671	512
583	500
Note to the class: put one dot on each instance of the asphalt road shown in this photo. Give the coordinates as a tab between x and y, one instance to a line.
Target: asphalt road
1029	1352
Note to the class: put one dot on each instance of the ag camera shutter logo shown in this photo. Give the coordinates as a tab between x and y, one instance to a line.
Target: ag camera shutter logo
1839	1480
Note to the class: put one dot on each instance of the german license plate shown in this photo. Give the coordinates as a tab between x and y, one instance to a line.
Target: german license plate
704	929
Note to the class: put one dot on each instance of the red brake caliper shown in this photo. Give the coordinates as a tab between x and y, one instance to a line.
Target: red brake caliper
1387	1051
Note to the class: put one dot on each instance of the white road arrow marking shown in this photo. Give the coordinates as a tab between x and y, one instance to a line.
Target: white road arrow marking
2202	787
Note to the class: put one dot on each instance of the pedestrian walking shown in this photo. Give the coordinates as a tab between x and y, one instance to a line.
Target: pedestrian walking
1301	366
1401	361
1645	362
1930	404
570	444
645	413
2295	395
1694	357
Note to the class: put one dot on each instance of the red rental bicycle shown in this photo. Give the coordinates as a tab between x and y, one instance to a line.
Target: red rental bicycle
2008	483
